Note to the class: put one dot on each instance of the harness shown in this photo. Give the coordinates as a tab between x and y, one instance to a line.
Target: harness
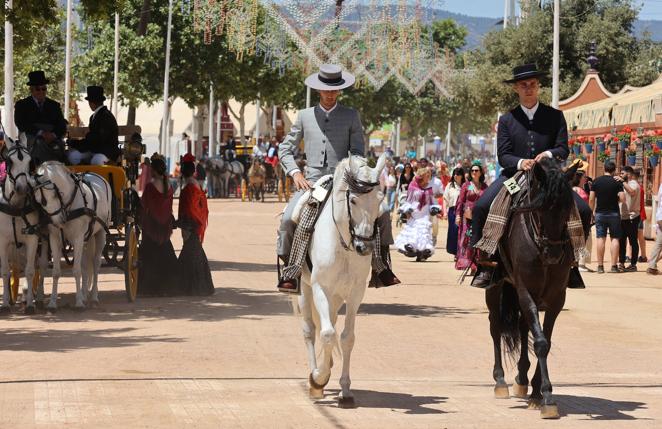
86	210
360	187
13	211
550	250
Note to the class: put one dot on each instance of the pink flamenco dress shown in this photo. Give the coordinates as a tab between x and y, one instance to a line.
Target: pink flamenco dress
469	194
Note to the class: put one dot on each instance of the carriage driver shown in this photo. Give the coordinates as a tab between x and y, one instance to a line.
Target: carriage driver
331	131
41	119
100	143
525	135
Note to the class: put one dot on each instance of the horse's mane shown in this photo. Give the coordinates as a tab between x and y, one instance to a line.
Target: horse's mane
351	179
554	191
50	167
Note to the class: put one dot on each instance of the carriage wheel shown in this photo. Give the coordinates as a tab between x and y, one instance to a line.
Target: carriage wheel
131	263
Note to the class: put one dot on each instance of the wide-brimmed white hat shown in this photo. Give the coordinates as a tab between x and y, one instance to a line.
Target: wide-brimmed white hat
329	78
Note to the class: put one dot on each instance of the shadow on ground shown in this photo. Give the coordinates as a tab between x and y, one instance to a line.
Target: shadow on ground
410	404
414	310
249	267
55	340
595	408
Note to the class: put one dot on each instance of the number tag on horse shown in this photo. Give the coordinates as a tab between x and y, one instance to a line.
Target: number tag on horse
319	193
512	186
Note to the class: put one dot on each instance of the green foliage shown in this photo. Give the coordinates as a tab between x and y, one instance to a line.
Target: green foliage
449	35
623	58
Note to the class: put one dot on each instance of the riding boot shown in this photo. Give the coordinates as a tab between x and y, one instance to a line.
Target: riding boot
575	280
484	275
291	274
382	276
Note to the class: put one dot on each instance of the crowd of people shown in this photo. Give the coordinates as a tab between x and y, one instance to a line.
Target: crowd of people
617	199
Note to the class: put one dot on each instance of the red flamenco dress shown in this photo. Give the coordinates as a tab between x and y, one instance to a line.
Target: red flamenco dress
159	272
193	217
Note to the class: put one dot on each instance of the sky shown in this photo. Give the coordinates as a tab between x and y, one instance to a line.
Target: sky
652	9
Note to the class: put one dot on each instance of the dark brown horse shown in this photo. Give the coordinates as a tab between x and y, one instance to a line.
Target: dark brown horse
536	258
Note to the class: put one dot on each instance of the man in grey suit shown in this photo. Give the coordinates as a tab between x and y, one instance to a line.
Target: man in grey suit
331	131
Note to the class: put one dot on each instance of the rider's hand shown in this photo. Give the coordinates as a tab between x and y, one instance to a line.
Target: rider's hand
300	182
540	157
528	164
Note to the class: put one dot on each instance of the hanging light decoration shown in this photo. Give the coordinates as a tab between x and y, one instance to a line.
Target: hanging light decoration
236	19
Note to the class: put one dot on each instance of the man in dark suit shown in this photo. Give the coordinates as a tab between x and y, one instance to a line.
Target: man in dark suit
100	143
41	119
525	135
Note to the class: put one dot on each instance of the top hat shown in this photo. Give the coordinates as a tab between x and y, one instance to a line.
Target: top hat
95	93
330	77
37	77
526	71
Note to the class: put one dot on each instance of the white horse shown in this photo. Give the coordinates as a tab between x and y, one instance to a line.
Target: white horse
79	208
230	169
18	223
340	252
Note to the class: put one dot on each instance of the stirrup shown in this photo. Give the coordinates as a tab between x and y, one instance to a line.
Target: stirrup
292	291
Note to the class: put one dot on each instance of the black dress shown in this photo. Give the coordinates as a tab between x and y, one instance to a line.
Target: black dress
158	269
194	267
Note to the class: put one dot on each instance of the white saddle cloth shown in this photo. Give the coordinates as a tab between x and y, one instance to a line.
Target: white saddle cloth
317	191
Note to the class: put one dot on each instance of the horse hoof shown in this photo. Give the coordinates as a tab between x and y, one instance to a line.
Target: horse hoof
316	393
52	310
29	309
94	304
549	411
5	310
533	404
346	402
501	391
520	391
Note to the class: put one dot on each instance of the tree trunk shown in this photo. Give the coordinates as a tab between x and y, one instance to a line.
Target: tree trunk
242	123
140	31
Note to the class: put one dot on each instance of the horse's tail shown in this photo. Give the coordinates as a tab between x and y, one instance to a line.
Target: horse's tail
509	319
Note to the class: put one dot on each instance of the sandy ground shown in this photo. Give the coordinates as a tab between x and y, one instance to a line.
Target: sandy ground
423	355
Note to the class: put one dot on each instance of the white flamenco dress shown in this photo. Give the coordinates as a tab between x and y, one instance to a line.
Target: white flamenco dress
417	232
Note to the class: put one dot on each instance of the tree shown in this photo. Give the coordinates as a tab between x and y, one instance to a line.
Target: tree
608	22
449	35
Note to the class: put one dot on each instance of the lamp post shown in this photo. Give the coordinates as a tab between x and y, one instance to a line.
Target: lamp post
555	61
116	64
67	63
165	138
9	74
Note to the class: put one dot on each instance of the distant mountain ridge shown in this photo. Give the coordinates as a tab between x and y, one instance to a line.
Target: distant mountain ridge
479	26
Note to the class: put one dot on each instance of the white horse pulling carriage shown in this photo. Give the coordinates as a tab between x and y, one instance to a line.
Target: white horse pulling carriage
340	252
92	211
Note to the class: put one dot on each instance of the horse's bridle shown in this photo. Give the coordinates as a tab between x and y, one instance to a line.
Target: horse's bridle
20	150
63	207
361	187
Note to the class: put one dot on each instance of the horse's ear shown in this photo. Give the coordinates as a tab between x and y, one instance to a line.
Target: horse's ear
539	172
381	163
571	172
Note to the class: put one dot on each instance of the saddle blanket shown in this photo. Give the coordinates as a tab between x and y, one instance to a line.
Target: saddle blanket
315	195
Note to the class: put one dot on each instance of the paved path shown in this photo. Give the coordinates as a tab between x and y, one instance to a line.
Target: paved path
422	359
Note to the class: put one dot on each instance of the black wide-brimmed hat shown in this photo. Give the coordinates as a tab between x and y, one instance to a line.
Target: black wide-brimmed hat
95	93
330	77
526	71
37	77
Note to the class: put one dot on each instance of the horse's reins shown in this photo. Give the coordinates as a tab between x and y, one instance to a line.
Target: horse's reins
362	188
537	233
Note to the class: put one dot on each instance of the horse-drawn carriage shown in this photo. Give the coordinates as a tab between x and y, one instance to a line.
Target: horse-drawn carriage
123	239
